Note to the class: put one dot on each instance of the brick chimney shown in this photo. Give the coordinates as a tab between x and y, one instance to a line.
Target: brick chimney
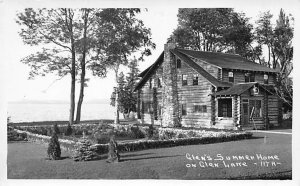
170	105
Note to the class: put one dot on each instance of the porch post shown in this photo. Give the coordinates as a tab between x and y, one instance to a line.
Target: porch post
235	110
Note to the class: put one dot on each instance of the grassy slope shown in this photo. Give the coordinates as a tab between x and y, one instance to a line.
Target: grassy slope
26	160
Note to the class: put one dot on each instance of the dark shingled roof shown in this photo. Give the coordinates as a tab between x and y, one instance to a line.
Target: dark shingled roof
222	60
200	70
229	61
142	74
147	73
237	89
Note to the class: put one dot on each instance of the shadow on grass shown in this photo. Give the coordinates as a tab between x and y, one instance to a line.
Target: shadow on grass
132	155
255	137
283	175
145	158
61	158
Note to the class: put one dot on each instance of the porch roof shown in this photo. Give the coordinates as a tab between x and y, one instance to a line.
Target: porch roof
236	89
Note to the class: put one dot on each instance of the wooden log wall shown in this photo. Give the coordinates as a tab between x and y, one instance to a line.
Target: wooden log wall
239	76
192	95
273	114
259	122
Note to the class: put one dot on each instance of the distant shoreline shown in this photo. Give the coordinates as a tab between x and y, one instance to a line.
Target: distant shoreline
57	102
59	122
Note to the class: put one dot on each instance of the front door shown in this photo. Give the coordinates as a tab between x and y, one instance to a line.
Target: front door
245	112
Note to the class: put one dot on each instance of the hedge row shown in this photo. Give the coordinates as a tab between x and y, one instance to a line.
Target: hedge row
64	144
153	144
145	144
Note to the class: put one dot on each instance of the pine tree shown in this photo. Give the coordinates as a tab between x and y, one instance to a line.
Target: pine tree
84	151
56	129
68	130
54	151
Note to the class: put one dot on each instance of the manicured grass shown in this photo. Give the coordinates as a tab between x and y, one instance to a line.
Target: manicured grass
28	160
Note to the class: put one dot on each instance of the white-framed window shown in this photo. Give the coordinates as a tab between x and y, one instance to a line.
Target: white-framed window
195	79
225	107
266	79
230	77
184	79
255	107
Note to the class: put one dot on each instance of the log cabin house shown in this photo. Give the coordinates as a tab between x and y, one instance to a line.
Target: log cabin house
187	88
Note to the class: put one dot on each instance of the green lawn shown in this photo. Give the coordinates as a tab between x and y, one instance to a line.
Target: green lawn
28	161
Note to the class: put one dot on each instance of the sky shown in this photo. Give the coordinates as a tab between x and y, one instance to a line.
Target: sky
160	19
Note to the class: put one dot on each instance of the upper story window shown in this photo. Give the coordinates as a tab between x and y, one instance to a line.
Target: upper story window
249	77
230	77
184	79
266	79
195	79
178	63
150	83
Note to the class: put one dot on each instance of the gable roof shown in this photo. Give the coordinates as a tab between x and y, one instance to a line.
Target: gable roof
147	73
200	70
236	89
240	88
229	61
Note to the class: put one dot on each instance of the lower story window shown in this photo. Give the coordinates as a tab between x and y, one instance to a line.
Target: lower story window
146	107
200	108
225	107
255	108
183	109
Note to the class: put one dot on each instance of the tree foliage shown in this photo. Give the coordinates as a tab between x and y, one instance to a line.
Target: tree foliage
127	98
57	32
122	34
54	151
213	29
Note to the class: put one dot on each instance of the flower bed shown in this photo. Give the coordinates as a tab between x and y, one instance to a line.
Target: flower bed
162	137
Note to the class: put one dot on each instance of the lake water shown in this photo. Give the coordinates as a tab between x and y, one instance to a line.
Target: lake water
27	112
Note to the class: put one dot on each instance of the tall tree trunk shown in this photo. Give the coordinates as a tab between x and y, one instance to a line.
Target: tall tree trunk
73	67
81	94
82	65
117	118
72	95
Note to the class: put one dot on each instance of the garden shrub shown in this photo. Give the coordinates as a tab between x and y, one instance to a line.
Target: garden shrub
54	151
135	132
166	134
192	134
56	129
181	135
15	136
84	151
150	131
69	130
102	138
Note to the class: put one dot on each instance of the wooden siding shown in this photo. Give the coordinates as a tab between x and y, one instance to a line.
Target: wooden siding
259	122
239	77
200	95
192	95
274	111
225	122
